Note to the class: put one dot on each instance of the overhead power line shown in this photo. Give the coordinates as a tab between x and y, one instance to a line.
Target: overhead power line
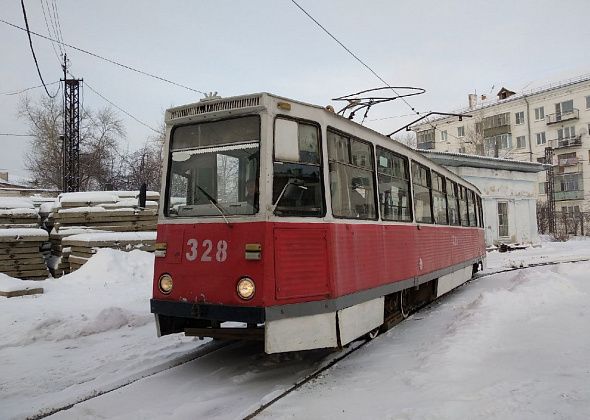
16	92
145	73
122	110
22	2
354	55
53	44
16	135
364	64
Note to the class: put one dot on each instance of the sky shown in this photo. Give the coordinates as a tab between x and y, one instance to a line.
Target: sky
450	48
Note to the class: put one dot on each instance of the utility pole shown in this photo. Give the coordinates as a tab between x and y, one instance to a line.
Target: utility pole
71	130
550	190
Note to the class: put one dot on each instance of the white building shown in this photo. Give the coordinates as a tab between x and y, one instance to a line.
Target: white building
521	126
508	193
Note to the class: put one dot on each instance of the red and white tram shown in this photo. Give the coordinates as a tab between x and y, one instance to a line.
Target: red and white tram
306	228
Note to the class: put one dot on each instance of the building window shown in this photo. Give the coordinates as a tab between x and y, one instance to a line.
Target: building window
394	186
519	117
566	133
351	177
503	220
443	135
425	139
492	145
587	102
541	139
520	142
422	186
570	210
461	131
541	159
542	188
565	107
539	113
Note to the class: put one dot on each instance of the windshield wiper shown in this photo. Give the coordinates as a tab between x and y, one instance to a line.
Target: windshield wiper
213	201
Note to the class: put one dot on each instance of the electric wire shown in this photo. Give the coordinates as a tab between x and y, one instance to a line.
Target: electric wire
121	109
355	56
17	92
22	2
365	65
57	22
116	63
49	31
16	135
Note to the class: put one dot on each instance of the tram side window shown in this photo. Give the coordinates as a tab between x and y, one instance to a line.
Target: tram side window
394	186
422	185
453	201
463	206
471	207
351	177
439	199
481	220
297	182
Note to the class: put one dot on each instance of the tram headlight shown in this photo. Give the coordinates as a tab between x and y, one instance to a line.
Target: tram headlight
165	283
246	288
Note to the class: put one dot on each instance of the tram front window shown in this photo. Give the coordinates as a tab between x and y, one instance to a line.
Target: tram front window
214	169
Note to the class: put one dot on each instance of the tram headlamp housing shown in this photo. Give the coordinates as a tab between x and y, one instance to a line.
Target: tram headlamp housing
165	283
246	288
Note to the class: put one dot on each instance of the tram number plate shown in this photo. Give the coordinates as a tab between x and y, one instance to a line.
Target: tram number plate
205	250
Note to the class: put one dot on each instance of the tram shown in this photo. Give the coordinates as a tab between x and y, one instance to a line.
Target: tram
288	223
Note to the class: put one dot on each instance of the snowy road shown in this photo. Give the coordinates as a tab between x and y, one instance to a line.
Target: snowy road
509	345
513	345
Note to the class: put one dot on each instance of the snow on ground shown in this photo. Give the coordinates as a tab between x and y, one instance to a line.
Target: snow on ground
88	331
511	345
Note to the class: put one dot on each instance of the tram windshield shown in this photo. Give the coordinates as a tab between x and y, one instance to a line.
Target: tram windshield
214	168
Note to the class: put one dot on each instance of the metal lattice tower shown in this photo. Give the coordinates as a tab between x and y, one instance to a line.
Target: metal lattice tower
71	137
550	190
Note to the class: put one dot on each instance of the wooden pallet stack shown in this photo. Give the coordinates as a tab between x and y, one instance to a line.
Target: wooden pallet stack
80	248
19	253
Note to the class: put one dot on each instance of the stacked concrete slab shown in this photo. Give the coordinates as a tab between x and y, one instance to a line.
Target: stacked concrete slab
80	248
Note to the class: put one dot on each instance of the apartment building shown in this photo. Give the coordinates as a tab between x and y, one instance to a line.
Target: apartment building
521	126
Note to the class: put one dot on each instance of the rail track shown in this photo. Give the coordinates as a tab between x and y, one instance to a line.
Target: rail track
212	347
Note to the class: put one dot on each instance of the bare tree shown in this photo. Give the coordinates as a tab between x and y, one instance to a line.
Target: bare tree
100	134
144	164
44	160
406	137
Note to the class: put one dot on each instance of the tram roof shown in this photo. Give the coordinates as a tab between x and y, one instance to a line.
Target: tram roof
476	161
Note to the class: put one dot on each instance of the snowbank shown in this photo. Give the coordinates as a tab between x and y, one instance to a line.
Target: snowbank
90	329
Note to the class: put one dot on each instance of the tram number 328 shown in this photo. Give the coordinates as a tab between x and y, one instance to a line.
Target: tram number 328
206	250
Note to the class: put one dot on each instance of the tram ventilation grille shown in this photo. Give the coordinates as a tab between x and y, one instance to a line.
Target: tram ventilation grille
204	108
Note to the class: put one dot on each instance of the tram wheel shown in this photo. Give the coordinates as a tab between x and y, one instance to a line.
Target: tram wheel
404	305
373	333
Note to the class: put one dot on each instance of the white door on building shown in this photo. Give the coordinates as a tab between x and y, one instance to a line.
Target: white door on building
503	231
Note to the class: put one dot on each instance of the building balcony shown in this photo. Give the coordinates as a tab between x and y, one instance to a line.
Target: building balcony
569	195
429	145
562	116
566	142
568	161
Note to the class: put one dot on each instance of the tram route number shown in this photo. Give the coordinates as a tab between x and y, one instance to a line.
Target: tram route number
206	249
